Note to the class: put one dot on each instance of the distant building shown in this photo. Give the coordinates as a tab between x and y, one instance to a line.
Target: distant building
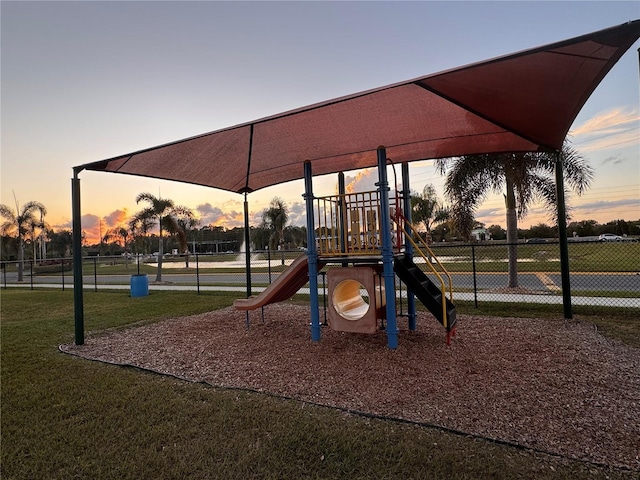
480	234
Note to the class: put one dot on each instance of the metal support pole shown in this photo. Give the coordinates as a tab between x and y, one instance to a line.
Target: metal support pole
312	254
78	300
562	236
408	248
387	250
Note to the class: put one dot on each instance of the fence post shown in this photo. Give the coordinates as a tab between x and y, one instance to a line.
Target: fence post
4	274
95	274
62	271
269	262
197	274
475	285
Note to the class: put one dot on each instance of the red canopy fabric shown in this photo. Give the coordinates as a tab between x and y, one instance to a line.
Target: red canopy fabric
526	101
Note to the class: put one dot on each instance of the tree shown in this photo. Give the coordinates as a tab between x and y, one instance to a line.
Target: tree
139	229
162	211
37	239
61	242
120	235
274	219
584	228
497	232
180	225
521	177
295	236
541	230
19	223
426	208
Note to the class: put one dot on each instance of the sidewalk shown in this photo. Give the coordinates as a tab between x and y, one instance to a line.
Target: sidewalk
625	302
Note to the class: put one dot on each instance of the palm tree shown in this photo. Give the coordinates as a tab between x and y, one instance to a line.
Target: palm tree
275	219
180	225
426	208
140	227
61	242
521	177
19	222
33	225
119	234
160	210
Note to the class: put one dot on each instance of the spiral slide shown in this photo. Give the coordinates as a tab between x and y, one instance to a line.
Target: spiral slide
282	288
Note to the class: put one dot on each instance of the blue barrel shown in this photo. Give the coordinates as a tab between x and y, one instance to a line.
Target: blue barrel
139	285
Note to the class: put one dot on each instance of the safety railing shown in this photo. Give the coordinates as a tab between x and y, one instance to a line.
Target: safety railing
349	224
422	248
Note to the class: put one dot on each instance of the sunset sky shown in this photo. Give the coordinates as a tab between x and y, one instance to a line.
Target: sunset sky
85	81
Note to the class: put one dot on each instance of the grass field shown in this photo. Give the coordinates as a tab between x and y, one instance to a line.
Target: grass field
489	257
65	417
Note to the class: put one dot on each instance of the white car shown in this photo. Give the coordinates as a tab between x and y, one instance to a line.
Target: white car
609	237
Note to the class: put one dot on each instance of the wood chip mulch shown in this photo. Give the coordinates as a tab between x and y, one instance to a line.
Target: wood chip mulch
552	385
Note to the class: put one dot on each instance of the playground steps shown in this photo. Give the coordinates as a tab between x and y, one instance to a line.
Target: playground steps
425	290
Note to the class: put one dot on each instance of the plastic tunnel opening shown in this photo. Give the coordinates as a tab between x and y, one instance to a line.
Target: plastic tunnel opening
350	299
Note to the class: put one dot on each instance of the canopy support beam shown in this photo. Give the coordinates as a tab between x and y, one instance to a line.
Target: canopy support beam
562	237
312	254
78	300
388	273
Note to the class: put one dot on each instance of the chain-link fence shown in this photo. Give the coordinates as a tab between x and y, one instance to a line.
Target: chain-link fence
601	273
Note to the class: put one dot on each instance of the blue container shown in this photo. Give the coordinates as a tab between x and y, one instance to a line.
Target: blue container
139	285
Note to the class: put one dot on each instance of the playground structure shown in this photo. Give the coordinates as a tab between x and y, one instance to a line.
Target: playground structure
523	102
365	239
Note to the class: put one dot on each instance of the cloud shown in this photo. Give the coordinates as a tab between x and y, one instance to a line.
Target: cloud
606	204
91	228
229	218
116	218
90	221
297	214
68	225
490	212
615	159
363	181
619	140
617	127
611	121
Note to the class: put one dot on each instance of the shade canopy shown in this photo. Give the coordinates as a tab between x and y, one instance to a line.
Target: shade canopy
525	101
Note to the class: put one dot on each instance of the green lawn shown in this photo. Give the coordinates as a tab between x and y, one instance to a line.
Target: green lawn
583	257
489	257
64	417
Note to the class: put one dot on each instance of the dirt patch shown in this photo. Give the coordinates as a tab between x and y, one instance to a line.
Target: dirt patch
553	385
